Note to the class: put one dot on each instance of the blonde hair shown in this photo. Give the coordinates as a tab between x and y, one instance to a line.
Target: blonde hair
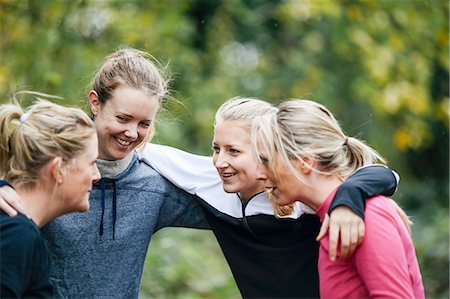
301	129
30	139
131	68
247	109
305	129
242	109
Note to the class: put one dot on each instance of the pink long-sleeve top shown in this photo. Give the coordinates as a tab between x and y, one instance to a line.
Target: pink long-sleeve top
383	266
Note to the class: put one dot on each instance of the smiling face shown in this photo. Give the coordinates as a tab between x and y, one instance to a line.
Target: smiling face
285	187
234	159
79	176
124	121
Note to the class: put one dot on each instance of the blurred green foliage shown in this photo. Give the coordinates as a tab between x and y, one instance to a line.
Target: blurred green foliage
381	66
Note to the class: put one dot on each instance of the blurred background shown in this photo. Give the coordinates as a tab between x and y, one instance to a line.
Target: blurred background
382	67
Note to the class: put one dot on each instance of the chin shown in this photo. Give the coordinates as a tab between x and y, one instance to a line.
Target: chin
228	189
84	206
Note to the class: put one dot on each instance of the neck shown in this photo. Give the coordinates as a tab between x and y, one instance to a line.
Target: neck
112	169
39	205
320	187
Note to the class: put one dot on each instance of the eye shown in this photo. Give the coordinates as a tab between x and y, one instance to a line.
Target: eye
215	149
234	151
264	161
145	124
121	118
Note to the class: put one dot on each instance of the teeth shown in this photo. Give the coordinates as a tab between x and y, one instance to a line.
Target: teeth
123	142
227	175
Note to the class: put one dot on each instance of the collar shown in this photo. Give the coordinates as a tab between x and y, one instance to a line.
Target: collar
112	169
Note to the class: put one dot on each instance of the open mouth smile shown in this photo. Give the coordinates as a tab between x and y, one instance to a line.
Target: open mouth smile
227	176
122	142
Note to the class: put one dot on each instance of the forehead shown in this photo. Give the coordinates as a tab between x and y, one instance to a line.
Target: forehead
133	102
260	145
91	149
232	132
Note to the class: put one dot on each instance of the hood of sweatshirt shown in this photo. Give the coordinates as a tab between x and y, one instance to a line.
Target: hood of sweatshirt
110	170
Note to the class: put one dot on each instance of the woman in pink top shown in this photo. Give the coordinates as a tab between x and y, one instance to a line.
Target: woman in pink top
304	157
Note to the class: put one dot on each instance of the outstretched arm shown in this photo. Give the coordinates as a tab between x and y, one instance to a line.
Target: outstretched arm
190	172
10	201
346	212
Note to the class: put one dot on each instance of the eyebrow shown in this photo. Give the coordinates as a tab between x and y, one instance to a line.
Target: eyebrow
131	116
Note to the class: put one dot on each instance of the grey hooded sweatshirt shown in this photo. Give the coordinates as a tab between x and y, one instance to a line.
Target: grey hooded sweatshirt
101	253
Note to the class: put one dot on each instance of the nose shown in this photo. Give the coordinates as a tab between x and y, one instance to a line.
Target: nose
131	132
96	176
261	173
220	161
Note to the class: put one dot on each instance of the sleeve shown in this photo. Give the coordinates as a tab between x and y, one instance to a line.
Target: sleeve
192	173
381	260
366	182
181	209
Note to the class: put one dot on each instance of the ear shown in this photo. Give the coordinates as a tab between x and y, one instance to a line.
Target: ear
306	165
94	102
56	169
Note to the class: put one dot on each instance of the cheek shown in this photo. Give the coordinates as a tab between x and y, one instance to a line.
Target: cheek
249	169
108	128
144	132
271	176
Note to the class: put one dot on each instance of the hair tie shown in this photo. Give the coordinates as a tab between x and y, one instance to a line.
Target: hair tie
24	117
345	142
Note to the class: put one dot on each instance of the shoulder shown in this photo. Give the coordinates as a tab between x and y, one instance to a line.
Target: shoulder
17	224
382	219
380	205
138	170
143	177
18	231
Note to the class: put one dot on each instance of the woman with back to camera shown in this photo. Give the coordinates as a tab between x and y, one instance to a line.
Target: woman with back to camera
269	256
305	156
48	155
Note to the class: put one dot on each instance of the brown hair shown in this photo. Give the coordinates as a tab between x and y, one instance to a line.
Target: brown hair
132	68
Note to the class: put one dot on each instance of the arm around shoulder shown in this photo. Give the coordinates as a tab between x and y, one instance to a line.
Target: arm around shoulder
366	182
188	171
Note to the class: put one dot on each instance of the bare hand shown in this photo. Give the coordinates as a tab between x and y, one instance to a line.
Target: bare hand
346	224
10	201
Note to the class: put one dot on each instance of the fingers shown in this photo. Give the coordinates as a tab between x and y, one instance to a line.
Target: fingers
346	228
10	201
345	240
323	228
354	239
361	232
7	208
356	235
333	239
349	239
